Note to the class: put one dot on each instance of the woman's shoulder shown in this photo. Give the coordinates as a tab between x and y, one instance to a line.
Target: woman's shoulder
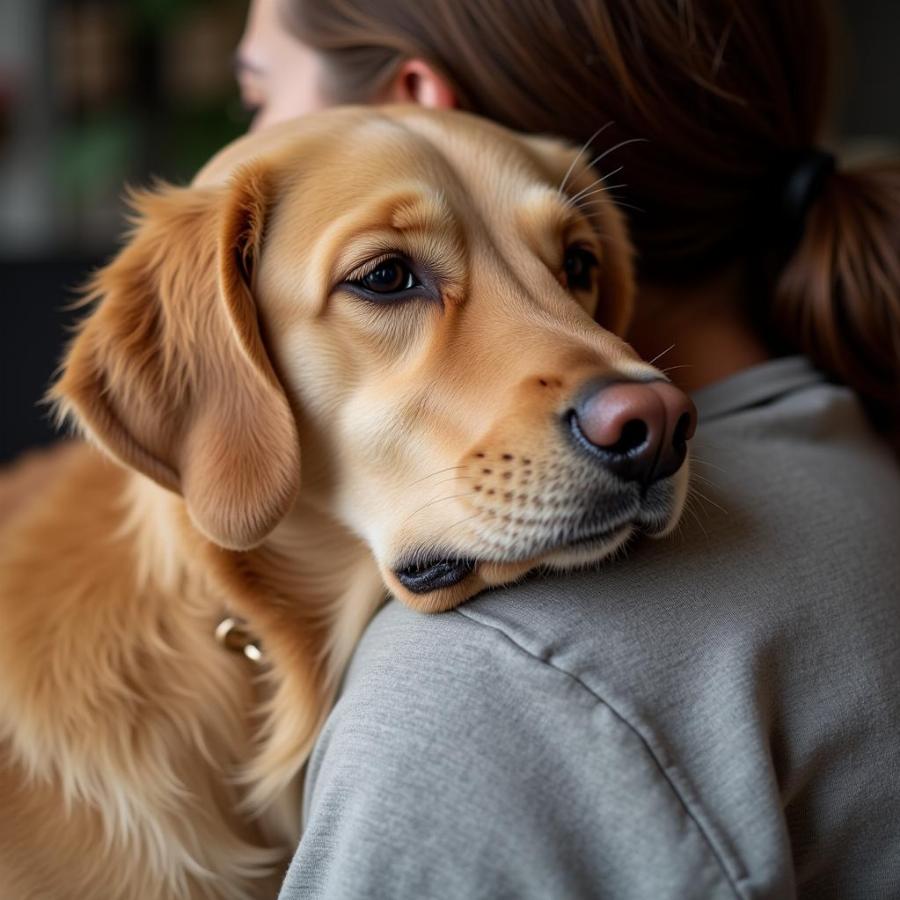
451	749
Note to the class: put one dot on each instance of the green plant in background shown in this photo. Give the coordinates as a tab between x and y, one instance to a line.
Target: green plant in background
201	132
159	15
93	156
148	126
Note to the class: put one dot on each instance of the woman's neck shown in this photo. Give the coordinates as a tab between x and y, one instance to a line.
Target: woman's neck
697	334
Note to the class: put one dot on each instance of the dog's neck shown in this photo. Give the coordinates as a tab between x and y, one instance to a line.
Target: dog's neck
309	569
312	580
306	593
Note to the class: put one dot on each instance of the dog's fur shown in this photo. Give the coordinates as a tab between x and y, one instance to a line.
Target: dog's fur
138	758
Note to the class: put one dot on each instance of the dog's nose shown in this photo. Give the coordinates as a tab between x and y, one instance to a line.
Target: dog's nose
638	430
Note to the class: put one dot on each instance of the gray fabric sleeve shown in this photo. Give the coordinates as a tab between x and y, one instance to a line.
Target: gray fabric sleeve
457	765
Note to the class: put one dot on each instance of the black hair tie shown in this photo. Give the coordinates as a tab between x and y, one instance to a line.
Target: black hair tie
806	176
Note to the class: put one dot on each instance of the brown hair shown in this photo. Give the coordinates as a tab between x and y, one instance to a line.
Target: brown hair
723	97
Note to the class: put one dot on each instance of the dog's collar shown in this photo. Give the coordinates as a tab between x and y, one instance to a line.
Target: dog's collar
233	634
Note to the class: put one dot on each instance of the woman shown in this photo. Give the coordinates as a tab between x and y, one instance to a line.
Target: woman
717	715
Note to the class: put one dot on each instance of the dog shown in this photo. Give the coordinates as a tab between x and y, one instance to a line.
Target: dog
370	351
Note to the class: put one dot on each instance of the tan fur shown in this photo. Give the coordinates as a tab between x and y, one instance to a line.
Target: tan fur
138	758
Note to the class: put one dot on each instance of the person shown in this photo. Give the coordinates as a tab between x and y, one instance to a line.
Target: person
716	714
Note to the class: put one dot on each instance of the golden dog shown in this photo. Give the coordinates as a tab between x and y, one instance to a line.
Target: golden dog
406	301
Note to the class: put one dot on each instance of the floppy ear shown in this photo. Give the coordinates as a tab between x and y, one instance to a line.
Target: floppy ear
169	373
617	278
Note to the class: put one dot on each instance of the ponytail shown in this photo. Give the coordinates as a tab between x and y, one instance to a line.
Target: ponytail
837	298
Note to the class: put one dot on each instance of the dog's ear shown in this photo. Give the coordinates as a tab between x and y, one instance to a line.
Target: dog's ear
570	169
170	374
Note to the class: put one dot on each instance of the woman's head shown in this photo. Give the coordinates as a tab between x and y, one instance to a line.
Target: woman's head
718	101
278	75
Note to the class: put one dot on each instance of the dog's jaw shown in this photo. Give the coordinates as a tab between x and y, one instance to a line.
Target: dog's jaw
659	514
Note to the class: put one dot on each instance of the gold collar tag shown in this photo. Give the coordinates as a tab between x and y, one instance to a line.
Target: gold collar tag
232	633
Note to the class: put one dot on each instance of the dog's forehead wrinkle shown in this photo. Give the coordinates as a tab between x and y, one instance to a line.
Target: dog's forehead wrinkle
547	201
493	173
550	223
505	155
409	215
423	206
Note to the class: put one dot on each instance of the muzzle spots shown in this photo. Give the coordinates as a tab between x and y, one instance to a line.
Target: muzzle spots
524	504
506	477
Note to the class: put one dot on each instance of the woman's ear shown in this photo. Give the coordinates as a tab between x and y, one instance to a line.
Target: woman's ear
169	373
416	81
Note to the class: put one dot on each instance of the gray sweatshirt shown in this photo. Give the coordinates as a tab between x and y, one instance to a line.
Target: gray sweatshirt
715	715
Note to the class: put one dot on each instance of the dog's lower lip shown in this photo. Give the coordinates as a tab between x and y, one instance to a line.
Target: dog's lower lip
420	578
602	535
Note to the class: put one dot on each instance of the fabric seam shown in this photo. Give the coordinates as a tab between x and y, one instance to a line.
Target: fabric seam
751	405
707	838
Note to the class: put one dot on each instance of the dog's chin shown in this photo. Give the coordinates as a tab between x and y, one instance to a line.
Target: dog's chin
434	580
589	550
438	584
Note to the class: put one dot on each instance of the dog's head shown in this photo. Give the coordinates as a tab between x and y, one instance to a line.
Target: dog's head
412	298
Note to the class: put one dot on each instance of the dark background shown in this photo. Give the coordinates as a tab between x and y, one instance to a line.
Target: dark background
98	93
94	94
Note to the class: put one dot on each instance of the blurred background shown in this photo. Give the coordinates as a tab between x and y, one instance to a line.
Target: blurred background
95	94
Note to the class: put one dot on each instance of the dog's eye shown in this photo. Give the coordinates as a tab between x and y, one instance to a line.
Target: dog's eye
391	276
579	265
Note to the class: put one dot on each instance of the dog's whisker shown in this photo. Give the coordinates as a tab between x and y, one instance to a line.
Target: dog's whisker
600	202
594	203
453	478
705	480
689	507
661	355
597	181
439	472
583	197
460	522
702	496
705	462
584	146
615	202
605	153
433	502
584	200
593	189
624	205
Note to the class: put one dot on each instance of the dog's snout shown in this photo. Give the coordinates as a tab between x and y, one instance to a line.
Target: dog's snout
638	430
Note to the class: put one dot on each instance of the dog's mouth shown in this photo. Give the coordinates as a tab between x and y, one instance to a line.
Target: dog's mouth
426	575
601	536
603	525
436	572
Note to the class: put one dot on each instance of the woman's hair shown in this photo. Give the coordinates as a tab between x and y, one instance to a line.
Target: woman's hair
723	98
